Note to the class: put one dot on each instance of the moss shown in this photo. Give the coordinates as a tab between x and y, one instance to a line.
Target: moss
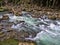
3	9
9	42
16	42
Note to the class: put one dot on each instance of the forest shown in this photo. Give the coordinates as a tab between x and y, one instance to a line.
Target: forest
42	3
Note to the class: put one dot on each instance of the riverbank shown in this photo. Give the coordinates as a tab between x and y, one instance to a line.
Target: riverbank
9	42
37	11
16	42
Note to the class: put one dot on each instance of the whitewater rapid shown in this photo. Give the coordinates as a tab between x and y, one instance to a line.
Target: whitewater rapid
48	31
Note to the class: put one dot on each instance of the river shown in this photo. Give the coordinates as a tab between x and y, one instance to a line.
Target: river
47	30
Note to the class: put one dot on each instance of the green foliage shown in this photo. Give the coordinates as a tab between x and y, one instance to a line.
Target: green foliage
9	42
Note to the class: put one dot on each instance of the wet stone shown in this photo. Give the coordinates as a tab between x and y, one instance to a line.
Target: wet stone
1	26
5	17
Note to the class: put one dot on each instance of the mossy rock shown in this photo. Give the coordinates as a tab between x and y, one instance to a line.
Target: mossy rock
2	9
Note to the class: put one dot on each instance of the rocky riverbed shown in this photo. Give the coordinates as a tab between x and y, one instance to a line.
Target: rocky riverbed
27	28
10	26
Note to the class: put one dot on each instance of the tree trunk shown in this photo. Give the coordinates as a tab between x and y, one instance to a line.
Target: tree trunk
54	1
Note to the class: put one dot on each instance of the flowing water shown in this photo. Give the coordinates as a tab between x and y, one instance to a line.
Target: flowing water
47	31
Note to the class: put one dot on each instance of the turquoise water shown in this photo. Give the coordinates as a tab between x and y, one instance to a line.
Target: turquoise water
47	31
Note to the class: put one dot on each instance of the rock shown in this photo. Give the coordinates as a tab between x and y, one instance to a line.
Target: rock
27	43
1	17
23	9
9	29
18	13
1	32
1	26
52	17
2	35
5	17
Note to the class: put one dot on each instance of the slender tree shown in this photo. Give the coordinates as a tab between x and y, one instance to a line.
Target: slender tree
1	2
